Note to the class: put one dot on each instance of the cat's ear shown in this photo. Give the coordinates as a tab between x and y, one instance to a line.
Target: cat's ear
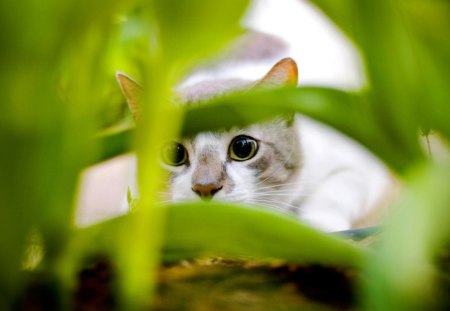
132	92
283	73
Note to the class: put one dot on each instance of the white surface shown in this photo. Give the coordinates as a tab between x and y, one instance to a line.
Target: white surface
324	55
103	190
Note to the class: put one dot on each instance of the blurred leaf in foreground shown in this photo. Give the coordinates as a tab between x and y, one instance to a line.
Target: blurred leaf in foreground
403	269
223	229
178	37
51	59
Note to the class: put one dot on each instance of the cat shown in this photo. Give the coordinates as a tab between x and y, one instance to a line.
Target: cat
290	164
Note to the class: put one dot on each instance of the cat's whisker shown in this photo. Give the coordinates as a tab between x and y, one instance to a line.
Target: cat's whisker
279	192
262	185
274	204
276	190
236	198
266	186
269	195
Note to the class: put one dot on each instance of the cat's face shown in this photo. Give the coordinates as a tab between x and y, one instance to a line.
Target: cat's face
250	165
254	165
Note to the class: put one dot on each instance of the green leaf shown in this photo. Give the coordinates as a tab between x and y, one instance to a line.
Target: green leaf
190	32
113	144
52	57
403	269
223	229
220	229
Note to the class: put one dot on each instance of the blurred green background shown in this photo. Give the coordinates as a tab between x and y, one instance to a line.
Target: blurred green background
57	81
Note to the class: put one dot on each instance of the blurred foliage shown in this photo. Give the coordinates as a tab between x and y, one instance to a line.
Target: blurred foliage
58	61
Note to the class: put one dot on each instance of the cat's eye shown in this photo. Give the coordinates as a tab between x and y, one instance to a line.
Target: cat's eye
243	148
174	154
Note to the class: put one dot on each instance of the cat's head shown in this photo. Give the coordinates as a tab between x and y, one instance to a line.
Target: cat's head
254	164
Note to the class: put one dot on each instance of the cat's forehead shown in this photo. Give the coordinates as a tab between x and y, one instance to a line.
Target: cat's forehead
204	90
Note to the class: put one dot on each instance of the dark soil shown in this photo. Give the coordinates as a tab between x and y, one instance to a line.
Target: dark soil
218	284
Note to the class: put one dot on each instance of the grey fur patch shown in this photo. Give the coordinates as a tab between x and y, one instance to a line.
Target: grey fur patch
260	165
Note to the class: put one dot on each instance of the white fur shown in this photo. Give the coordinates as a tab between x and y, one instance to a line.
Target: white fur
342	180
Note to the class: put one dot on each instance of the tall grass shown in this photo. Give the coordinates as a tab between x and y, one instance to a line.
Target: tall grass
57	80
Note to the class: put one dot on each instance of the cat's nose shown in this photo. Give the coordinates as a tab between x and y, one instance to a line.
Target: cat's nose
206	191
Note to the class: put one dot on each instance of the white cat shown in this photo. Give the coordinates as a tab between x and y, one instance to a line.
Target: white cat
295	165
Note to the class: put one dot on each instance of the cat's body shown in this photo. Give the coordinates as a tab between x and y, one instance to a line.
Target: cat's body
295	166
